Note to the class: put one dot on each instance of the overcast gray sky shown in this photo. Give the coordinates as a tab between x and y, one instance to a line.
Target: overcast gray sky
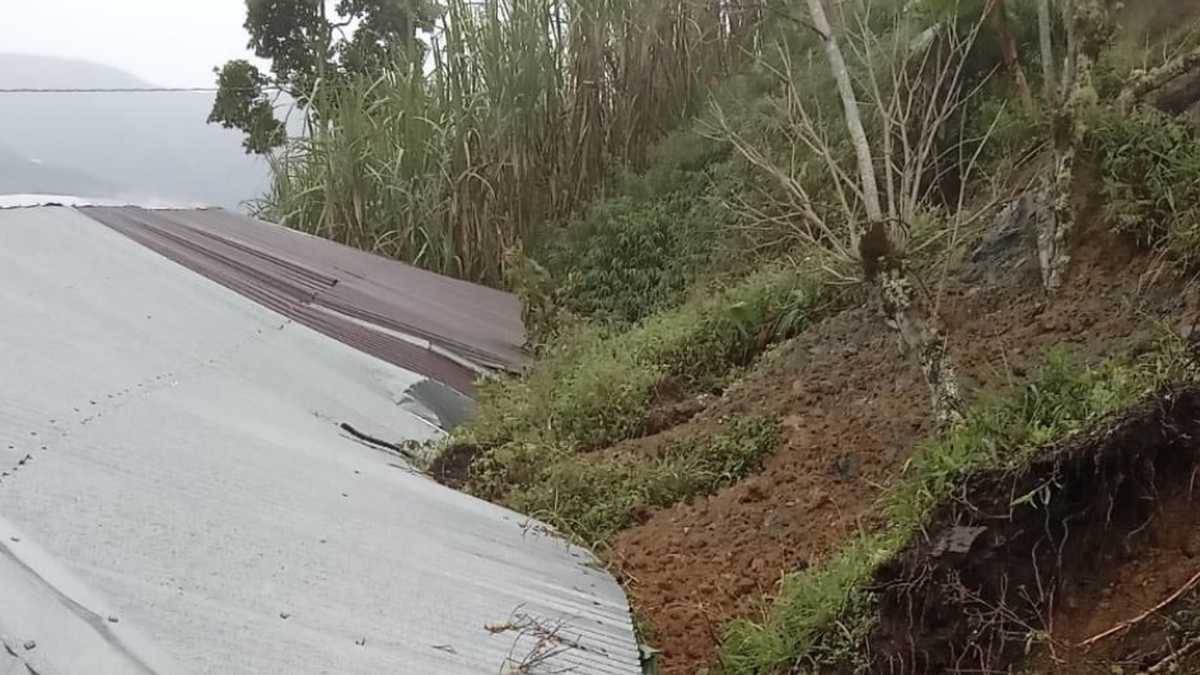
167	42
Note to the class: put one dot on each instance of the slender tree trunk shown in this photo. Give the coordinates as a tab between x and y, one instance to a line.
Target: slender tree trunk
1009	52
1088	30
912	316
858	136
1067	9
1045	37
883	265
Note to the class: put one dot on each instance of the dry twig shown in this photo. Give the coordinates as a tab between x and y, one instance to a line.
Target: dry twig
1167	663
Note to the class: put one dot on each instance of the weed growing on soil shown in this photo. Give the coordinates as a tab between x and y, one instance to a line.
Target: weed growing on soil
593	387
1150	162
823	614
1062	397
590	500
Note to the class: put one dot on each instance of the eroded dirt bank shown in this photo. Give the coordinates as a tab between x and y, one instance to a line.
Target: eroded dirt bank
853	409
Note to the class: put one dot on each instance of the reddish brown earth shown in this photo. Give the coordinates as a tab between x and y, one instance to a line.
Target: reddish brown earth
992	579
1133	592
853	409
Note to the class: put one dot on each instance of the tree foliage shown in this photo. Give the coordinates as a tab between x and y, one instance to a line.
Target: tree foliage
309	48
242	103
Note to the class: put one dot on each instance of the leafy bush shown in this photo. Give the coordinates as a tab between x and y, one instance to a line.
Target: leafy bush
678	164
626	259
583	390
1015	129
1150	166
823	613
592	500
637	253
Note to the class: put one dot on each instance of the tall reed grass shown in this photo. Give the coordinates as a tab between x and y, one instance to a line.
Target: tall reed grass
523	112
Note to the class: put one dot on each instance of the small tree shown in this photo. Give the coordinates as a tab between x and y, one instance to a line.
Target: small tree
1089	30
1046	44
916	89
309	49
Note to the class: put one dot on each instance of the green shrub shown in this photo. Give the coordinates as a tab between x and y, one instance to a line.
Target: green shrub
1015	129
679	164
626	260
1150	167
583	390
592	500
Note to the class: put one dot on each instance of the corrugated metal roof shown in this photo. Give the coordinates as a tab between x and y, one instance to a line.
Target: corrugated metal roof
440	327
176	449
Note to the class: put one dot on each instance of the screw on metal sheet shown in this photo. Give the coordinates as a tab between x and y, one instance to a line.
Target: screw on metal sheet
362	642
15	540
113	619
30	645
284	615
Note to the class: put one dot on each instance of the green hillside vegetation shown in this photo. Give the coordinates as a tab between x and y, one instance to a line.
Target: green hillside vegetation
673	188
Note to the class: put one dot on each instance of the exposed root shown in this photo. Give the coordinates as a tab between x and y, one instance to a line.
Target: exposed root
978	594
1126	625
1168	664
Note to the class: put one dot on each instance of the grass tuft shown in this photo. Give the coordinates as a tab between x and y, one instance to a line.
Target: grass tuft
593	386
593	499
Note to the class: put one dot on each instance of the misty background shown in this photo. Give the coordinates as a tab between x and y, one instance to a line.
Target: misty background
149	148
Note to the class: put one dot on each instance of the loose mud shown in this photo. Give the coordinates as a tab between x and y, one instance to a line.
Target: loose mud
853	408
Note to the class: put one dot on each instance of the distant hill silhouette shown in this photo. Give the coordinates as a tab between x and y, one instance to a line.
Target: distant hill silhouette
19	174
151	147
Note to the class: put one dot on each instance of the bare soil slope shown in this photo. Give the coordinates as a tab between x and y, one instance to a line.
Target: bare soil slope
853	409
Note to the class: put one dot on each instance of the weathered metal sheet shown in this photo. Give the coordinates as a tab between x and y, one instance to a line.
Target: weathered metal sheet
439	327
176	448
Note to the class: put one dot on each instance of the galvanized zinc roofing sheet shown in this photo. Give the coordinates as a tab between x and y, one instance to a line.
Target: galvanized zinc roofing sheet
175	448
440	327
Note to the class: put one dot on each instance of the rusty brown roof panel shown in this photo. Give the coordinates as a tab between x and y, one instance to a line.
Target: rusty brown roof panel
380	306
